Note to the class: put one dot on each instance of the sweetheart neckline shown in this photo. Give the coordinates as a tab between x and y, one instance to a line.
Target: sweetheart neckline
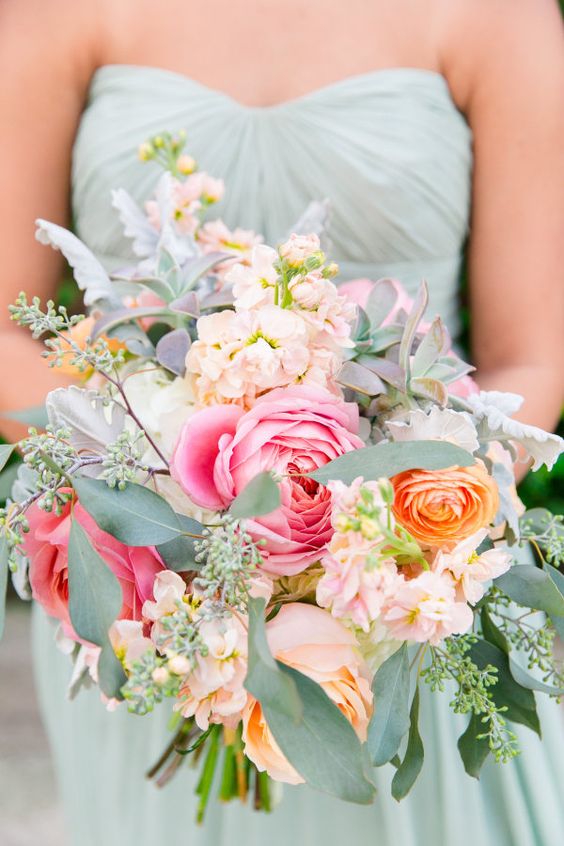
376	75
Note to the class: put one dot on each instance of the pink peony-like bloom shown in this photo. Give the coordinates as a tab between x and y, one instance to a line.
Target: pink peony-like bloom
426	609
290	431
314	643
213	691
298	248
240	355
471	572
46	546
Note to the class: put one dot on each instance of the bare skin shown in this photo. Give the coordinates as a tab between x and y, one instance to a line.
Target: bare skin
503	61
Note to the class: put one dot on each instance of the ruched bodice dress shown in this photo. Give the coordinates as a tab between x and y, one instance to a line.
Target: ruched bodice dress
393	155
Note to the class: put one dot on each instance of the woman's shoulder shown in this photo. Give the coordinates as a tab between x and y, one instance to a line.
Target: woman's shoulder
491	45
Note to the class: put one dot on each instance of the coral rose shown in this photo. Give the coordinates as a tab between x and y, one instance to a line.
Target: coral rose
314	643
290	431
442	507
46	546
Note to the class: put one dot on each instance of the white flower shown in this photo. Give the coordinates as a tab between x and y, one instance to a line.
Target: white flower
471	571
439	424
495	408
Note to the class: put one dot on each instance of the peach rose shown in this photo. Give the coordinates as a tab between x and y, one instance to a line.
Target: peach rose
314	643
442	507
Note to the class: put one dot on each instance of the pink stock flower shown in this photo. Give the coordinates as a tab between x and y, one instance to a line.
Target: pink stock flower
289	431
425	609
314	643
298	248
329	315
471	571
253	286
128	641
46	546
215	236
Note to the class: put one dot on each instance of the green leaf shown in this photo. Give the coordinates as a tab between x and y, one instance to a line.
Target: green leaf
525	679
179	554
361	379
323	746
407	772
390	719
95	600
532	587
381	300
3	581
264	680
492	633
260	496
434	344
411	324
136	516
520	702
473	751
5	452
558	578
373	462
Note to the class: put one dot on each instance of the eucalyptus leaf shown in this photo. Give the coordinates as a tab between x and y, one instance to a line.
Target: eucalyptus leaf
525	679
473	751
6	451
95	600
519	701
136	516
409	769
7	479
323	747
260	496
265	680
92	424
558	578
532	587
388	459
89	274
492	633
390	719
361	379
4	569
179	554
172	350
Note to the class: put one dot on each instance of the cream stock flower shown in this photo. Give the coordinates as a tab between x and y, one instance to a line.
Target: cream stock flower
471	572
240	355
298	248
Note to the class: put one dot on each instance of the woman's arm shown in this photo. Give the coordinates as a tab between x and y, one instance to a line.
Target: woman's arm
45	65
505	64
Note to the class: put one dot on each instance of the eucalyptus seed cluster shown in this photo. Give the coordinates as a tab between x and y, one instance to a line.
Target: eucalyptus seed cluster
52	457
148	683
229	557
122	462
451	662
61	348
550	539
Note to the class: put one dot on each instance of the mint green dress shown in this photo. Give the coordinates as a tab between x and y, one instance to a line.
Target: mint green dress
394	156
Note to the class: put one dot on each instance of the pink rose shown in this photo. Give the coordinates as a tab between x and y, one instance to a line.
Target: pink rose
314	643
46	546
290	431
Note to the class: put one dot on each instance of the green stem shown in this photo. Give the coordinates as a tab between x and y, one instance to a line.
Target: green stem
228	787
205	784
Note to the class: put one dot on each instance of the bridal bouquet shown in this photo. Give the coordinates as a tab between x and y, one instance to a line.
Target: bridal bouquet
281	504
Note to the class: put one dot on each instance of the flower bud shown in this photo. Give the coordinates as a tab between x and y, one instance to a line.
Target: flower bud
179	665
185	164
314	261
160	675
146	151
369	528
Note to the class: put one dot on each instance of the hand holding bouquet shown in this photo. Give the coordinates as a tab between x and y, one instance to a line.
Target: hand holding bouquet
281	504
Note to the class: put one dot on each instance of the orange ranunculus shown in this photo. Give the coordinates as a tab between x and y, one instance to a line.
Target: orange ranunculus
442	507
79	334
